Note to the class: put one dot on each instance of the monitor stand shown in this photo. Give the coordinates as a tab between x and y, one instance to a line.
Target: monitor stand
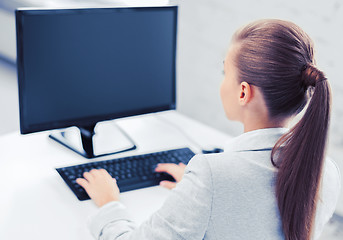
96	140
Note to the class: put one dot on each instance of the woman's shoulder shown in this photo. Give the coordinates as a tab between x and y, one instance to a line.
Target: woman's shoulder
202	165
216	165
331	177
332	168
235	160
211	160
329	193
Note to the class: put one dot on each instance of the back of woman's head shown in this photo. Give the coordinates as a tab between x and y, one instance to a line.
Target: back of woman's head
278	57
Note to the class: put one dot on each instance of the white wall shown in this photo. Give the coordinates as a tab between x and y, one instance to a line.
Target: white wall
7	35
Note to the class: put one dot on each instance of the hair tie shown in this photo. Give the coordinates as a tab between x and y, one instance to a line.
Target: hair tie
311	75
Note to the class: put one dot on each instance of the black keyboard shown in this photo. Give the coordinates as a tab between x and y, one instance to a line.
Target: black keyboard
131	172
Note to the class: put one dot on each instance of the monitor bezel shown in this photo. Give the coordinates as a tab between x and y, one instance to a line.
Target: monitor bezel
90	120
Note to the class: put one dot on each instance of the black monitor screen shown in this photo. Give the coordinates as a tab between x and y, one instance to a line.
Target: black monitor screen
81	66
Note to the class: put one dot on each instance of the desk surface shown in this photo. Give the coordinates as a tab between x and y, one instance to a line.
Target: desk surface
35	202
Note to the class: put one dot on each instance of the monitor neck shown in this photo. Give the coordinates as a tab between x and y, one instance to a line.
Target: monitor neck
87	133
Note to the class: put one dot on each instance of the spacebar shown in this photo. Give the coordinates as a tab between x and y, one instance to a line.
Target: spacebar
135	183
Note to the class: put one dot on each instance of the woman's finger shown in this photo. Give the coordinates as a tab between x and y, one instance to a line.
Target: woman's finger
82	182
104	173
94	172
168	184
88	176
166	167
182	164
176	171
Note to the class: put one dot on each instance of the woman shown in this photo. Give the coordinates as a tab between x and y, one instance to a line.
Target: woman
270	182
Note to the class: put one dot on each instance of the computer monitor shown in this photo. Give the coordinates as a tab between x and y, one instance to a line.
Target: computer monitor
77	67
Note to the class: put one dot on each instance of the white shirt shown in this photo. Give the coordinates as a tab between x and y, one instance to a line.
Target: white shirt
228	195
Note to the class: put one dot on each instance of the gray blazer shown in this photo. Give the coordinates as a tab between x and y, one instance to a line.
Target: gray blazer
229	195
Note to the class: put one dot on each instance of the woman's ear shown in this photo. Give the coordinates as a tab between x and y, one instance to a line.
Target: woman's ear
245	93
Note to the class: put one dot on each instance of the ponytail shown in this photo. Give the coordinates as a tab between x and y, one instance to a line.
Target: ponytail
276	56
300	157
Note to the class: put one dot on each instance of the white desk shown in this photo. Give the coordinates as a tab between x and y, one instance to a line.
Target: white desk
35	203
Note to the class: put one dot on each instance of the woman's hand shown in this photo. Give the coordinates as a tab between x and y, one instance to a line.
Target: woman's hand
100	186
174	170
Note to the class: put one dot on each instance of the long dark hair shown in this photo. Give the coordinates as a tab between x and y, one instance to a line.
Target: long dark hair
277	57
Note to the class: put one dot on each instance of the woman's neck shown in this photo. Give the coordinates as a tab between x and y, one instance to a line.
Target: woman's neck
254	123
256	126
